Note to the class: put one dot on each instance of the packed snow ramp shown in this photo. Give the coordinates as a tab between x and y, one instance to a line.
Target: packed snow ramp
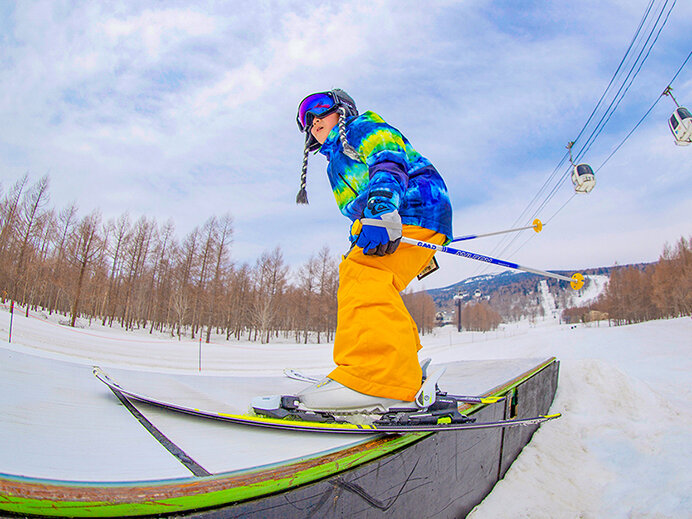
72	448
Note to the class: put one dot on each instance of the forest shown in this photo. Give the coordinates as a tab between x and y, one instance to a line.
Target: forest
659	290
138	274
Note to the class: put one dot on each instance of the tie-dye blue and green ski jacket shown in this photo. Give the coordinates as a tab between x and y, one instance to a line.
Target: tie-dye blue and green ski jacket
390	171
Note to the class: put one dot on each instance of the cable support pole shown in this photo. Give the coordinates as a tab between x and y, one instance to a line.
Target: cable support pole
576	281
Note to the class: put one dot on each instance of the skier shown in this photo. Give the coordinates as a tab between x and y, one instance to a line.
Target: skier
387	190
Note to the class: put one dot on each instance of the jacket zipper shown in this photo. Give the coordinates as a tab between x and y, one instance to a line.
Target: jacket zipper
349	185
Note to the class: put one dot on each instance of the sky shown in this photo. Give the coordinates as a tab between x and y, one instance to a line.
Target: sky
186	110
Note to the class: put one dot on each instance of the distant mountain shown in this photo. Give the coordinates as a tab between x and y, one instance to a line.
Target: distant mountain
519	294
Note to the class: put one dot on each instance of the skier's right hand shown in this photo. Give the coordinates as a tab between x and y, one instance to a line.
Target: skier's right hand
380	234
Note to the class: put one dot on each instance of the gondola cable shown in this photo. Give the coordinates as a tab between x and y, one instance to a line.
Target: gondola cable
614	104
593	112
636	126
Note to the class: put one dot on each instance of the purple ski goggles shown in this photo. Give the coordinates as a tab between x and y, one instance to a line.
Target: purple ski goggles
320	104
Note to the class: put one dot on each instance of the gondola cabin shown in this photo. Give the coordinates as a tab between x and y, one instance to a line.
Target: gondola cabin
680	123
583	178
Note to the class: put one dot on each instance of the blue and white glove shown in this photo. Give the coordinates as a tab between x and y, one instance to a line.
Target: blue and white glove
381	232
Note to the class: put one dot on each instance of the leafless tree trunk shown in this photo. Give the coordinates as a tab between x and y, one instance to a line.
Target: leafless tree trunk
270	276
32	204
86	248
225	233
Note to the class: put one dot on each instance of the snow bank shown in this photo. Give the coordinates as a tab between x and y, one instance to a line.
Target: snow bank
621	449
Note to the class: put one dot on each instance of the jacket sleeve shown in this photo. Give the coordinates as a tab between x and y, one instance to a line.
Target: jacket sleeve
383	150
388	181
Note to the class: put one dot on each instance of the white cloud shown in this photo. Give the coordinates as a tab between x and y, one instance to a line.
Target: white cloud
184	111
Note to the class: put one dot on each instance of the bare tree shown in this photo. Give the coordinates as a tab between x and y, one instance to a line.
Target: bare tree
210	231
270	283
32	204
187	261
8	211
308	284
86	248
136	257
480	317
225	233
120	230
239	294
672	280
180	305
158	290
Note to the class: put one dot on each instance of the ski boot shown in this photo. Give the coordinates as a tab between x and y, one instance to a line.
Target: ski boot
330	401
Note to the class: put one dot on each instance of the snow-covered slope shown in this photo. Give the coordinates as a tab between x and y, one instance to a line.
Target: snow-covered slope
547	301
552	308
621	449
590	292
623	445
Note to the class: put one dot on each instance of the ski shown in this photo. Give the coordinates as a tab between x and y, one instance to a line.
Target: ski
396	422
334	425
466	399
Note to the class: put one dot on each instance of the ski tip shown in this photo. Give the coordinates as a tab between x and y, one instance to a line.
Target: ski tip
552	416
578	281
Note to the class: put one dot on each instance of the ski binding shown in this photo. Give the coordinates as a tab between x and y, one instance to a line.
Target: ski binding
444	410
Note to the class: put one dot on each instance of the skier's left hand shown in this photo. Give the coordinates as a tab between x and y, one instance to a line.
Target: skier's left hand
380	234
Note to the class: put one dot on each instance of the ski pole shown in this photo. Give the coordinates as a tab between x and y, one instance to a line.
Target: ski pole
536	226
576	281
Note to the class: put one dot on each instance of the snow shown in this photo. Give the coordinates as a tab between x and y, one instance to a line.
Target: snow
591	291
594	289
547	300
621	449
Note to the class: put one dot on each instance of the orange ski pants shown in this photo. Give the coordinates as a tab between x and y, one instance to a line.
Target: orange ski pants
376	343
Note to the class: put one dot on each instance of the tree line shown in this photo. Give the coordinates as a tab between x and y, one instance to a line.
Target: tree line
659	290
479	317
138	274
